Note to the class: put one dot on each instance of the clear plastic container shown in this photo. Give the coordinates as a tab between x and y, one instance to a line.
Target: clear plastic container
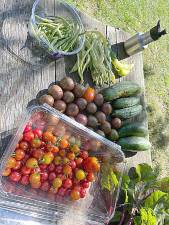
52	8
97	207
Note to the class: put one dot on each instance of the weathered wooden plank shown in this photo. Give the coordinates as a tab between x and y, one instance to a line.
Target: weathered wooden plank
137	76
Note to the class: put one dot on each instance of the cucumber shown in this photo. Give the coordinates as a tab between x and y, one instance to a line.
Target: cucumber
127	113
133	129
125	102
122	89
134	144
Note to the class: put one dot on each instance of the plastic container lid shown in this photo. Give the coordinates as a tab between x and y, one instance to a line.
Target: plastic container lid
96	208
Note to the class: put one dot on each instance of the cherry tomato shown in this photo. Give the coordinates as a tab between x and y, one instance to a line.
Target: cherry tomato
36	185
61	176
35	170
89	94
71	155
37	132
28	136
82	192
57	182
25	158
17	146
79	161
15	176
24	145
43	176
58	169
80	175
61	191
91	164
36	143
73	164
52	176
25	170
67	169
51	167
48	158
77	188
75	195
64	143
34	178
6	172
37	153
25	180
11	163
19	154
65	160
68	191
84	154
32	163
43	167
57	160
85	184
52	148
62	152
75	149
45	186
18	165
47	136
53	190
67	183
90	177
27	128
54	140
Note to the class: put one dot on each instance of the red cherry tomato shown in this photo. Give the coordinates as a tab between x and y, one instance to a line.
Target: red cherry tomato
90	177
27	128
45	186
43	167
25	180
11	163
79	161
75	195
18	165
37	153
73	164
6	172
36	185
67	183
23	145
58	169
37	132
84	154
34	178
77	188
61	176
61	191
82	192
85	184
28	136
51	167
89	94
32	163
36	143
52	176
19	154
35	170
48	158
44	176
25	170
15	176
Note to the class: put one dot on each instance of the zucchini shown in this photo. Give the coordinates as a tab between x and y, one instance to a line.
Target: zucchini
125	102
127	113
122	89
134	144
133	129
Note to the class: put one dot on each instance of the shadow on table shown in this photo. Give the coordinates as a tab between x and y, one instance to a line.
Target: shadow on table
5	138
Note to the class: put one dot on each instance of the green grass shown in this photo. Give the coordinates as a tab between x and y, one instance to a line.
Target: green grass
140	15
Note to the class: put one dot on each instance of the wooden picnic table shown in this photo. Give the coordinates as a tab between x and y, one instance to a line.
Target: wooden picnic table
23	75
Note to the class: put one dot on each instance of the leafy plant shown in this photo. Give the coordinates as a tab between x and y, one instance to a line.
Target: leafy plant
145	198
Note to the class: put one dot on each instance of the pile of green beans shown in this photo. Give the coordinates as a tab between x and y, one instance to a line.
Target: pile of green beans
59	33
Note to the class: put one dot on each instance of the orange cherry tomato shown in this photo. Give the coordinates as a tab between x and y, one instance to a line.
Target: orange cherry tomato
6	172
90	177
48	158
11	163
31	163
52	148
54	140
64	143
71	155
62	153
89	94
34	178
75	195
66	160
19	154
67	170
48	136
75	148
57	160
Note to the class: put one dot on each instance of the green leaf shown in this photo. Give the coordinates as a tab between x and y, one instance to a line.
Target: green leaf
147	217
153	199
116	217
125	185
145	172
162	185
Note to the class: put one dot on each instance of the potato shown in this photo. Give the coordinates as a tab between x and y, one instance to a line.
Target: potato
46	99
107	108
52	120
59	130
81	103
116	123
92	121
91	108
72	109
60	105
68	96
106	127
101	117
99	99
78	90
81	118
100	132
67	84
55	91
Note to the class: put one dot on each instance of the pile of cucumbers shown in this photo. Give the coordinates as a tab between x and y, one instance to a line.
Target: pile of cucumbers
125	100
